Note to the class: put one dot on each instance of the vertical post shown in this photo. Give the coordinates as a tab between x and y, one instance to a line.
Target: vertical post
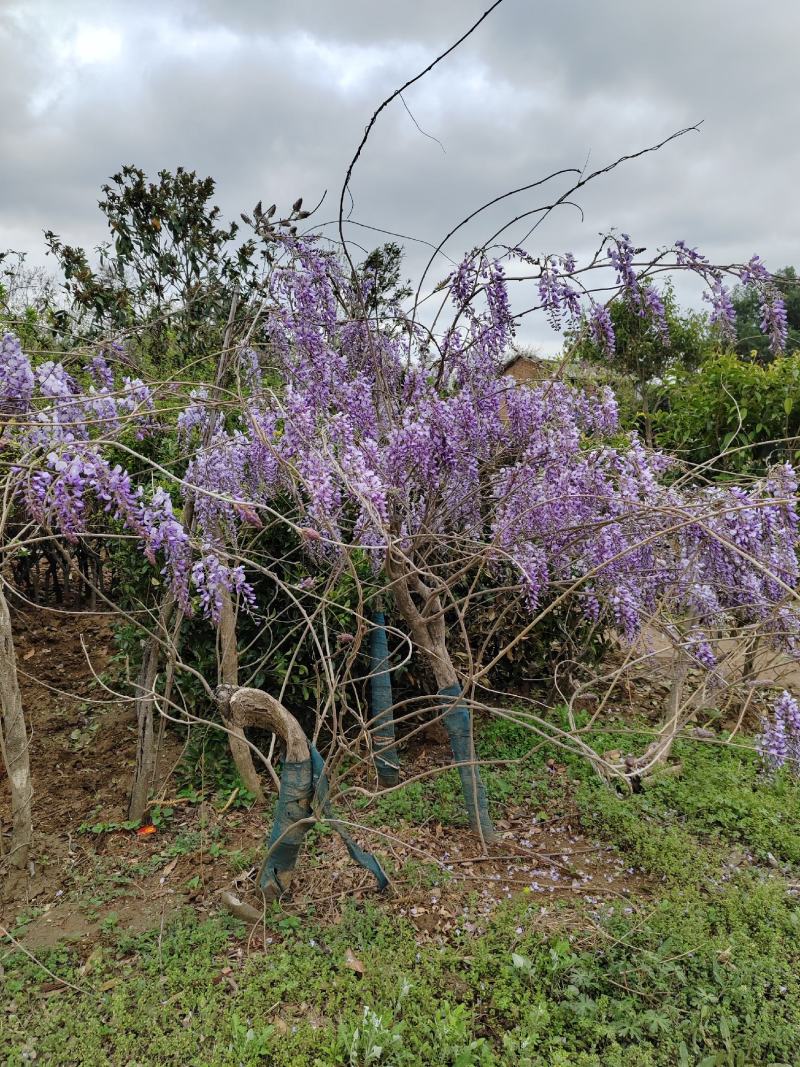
14	743
387	763
458	723
144	702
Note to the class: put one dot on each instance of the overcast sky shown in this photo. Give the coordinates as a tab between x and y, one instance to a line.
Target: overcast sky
271	100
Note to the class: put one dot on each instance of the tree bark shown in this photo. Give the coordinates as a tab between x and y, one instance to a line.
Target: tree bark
229	675
14	744
253	707
427	626
677	714
304	795
144	773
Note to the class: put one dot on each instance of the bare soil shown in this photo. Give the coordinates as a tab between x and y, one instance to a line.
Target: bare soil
85	885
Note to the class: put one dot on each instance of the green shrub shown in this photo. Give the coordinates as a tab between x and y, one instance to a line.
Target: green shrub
747	410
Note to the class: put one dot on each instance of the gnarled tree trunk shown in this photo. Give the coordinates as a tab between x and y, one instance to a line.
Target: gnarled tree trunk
229	676
677	714
427	625
303	795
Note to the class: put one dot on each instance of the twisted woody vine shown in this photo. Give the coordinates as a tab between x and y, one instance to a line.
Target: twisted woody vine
383	445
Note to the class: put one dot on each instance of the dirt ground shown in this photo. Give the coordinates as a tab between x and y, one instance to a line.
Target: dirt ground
85	884
82	746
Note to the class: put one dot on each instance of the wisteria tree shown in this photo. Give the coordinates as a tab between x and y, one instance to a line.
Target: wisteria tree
384	437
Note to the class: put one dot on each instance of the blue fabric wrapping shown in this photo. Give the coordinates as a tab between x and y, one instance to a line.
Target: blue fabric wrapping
457	721
304	793
293	819
387	763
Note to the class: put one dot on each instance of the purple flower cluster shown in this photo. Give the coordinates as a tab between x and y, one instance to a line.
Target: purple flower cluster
63	477
774	322
621	254
54	382
217	476
195	416
772	308
420	441
601	329
61	411
723	314
651	307
99	370
779	742
686	256
479	292
558	296
211	578
164	533
63	496
639	293
755	273
442	447
17	381
136	403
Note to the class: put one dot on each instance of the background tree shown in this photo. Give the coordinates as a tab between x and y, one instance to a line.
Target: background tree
29	304
750	337
380	279
168	270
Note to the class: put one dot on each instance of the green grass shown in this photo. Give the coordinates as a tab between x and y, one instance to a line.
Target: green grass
719	810
700	970
439	796
673	982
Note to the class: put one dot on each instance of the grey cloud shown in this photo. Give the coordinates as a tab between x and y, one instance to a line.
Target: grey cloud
271	99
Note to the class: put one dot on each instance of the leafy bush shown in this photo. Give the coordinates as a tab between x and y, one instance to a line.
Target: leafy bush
747	410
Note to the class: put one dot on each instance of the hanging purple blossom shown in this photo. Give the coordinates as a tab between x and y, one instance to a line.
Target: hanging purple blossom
100	371
754	273
651	306
601	329
195	416
723	313
54	382
779	742
559	297
136	400
17	380
688	257
621	253
774	322
211	578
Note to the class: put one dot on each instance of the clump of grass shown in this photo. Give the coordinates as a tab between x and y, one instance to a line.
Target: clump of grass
702	972
684	827
681	980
